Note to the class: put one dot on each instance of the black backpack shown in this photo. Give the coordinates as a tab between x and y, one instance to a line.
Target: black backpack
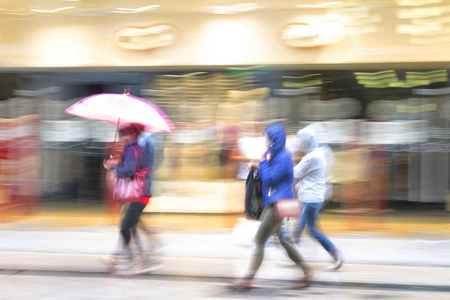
253	195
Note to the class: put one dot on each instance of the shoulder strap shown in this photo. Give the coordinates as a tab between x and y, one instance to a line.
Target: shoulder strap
136	156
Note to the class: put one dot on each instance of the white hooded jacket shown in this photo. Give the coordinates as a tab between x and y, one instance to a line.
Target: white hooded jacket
327	152
311	169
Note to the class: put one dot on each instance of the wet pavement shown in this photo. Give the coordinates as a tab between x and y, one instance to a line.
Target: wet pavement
67	264
49	286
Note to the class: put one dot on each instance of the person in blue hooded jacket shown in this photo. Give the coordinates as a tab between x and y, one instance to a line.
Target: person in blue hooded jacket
276	172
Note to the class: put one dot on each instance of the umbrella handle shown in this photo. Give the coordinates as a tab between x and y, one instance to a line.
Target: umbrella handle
115	138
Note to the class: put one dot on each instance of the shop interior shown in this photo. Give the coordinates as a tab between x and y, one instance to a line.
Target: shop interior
388	130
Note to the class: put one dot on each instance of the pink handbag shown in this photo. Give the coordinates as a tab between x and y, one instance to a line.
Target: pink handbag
288	208
126	189
129	190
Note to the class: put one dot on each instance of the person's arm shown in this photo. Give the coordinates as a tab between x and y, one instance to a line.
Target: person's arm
272	175
127	168
303	168
240	158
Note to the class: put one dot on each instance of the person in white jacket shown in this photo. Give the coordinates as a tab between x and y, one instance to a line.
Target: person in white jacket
320	134
311	189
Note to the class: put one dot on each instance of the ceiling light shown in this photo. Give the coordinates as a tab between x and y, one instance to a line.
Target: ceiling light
136	10
232	9
319	5
124	12
90	13
416	2
53	10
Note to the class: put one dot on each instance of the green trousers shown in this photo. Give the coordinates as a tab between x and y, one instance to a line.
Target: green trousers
269	226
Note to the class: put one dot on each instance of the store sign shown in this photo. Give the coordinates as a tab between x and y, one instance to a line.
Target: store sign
145	38
306	35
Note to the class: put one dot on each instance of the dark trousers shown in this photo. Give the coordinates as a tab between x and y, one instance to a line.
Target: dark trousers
130	220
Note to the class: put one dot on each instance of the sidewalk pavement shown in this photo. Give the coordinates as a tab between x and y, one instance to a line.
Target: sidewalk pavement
334	222
370	259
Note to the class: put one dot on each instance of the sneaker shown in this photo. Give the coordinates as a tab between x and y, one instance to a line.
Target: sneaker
150	263
242	284
111	262
286	263
337	261
143	267
304	282
156	246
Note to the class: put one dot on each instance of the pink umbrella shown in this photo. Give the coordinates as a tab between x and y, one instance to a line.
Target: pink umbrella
122	108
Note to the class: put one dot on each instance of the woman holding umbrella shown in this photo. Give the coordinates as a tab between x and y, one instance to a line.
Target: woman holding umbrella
134	115
132	159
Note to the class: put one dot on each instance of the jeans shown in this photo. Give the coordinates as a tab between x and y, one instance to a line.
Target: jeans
310	217
130	220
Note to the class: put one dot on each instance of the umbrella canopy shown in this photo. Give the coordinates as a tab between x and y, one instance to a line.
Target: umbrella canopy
120	109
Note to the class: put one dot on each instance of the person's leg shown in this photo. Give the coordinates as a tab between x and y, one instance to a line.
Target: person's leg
145	239
119	248
136	238
152	236
289	245
130	220
298	225
133	230
312	219
269	225
147	231
303	218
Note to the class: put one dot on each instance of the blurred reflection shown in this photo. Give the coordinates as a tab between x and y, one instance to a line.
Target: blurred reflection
219	116
19	166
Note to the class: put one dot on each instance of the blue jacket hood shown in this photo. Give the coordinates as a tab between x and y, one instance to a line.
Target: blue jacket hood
307	137
277	136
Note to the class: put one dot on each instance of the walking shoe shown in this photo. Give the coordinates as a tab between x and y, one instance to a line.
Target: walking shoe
143	265
242	284
286	263
337	261
111	262
304	282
